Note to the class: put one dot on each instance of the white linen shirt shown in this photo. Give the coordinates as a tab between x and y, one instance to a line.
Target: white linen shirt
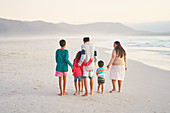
88	51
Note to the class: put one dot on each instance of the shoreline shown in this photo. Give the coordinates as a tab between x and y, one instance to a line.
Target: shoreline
77	37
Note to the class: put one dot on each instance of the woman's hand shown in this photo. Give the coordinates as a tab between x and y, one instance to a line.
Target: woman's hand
125	68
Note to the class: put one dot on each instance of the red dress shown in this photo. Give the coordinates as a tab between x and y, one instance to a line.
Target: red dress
78	71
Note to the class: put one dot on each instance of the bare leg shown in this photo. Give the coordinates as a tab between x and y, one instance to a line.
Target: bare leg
79	87
114	86
102	88
86	87
60	84
91	86
75	84
64	84
98	88
120	85
82	84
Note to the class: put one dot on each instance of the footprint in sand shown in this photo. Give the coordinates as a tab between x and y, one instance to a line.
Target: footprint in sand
35	88
14	92
39	86
169	103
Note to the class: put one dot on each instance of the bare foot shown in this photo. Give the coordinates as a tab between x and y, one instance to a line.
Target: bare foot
82	90
92	93
75	93
120	91
65	93
98	91
102	92
61	94
79	93
86	94
112	90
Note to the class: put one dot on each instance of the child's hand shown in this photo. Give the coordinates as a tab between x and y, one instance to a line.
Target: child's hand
107	69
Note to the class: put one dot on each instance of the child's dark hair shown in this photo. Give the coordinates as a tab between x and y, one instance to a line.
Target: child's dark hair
100	63
62	43
78	56
86	39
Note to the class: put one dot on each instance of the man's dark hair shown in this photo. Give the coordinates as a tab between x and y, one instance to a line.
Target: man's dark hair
100	63
86	39
62	43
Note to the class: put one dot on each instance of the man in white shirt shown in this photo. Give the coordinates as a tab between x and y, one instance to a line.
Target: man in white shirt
88	51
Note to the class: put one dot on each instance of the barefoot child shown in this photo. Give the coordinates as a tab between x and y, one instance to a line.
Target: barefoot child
78	71
62	66
101	75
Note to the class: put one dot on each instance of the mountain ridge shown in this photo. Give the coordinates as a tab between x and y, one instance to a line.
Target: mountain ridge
9	27
158	26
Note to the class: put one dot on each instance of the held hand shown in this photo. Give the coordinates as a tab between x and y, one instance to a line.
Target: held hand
91	58
108	66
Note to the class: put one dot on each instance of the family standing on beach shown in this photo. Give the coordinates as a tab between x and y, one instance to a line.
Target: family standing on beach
83	67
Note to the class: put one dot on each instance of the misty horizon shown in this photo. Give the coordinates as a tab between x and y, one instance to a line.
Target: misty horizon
82	12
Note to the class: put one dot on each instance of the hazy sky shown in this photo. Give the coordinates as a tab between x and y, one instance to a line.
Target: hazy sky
86	11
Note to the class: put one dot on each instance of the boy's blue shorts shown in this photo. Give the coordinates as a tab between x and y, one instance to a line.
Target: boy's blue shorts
77	77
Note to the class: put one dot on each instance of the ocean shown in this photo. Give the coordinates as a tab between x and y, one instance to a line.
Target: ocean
150	50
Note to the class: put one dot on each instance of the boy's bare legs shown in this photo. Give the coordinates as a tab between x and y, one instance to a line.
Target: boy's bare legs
64	84
82	84
98	88
102	88
60	84
86	87
91	86
114	86
120	85
79	87
75	84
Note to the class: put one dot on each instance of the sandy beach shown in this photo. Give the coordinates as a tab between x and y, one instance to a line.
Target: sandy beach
28	84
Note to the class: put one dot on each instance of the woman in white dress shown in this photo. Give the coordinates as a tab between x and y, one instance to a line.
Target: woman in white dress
119	65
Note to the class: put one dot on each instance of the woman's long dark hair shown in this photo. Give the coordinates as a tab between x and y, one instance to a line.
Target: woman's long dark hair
119	49
78	56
